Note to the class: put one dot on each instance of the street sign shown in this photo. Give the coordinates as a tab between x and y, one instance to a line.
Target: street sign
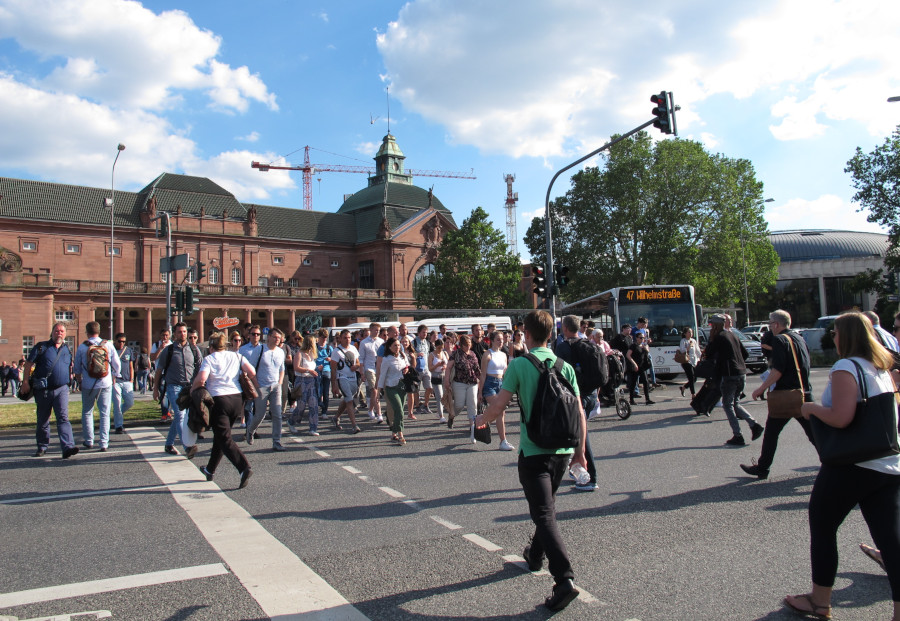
170	264
221	323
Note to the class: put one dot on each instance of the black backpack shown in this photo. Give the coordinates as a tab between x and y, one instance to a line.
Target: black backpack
591	368
555	420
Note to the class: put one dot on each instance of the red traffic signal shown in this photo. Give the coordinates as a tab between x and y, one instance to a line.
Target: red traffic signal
662	112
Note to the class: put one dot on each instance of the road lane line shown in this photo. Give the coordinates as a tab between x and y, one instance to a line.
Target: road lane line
96	587
392	492
352	470
323	454
481	542
99	492
283	585
445	523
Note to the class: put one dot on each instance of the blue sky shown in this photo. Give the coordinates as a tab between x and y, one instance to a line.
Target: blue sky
522	87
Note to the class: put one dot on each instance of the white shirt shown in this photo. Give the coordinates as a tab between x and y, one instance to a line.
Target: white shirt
392	371
878	382
271	366
224	368
888	339
368	352
345	357
81	365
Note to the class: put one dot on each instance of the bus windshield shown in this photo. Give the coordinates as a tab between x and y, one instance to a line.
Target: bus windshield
666	320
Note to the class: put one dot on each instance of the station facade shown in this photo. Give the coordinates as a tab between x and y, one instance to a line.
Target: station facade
266	265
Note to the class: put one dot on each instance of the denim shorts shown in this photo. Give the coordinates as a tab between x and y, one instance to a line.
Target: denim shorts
491	386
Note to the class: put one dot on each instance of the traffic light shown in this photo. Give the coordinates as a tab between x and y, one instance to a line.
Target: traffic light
200	267
189	301
540	280
662	112
179	302
562	276
162	227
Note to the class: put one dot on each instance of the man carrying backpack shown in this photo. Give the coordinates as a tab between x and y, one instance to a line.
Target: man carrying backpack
585	358
541	469
96	364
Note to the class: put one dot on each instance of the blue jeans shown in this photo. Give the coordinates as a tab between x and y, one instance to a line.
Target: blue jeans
732	387
324	385
142	380
56	400
309	399
102	397
172	391
122	400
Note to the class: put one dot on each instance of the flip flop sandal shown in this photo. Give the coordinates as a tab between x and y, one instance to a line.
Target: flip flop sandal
815	611
871	553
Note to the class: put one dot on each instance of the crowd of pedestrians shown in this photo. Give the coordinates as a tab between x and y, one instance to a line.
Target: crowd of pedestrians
395	377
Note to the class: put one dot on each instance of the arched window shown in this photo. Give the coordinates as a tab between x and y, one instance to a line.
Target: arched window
425	270
236	278
212	276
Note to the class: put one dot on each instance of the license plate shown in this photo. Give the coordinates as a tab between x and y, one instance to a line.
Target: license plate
662	369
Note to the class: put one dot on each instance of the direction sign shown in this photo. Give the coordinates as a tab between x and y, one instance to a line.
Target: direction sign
176	262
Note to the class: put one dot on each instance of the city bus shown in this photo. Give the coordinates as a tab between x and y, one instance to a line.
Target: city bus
668	309
454	324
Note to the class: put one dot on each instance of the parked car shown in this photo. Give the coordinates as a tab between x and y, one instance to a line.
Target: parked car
756	362
755	330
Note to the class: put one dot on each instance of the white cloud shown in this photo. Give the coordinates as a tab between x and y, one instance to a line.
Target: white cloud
528	216
251	137
709	140
323	16
232	170
367	148
825	212
551	77
120	53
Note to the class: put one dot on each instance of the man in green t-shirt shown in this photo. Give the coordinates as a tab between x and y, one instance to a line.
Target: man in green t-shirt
540	470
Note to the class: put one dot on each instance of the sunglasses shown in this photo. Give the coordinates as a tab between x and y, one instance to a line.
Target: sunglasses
236	340
256	334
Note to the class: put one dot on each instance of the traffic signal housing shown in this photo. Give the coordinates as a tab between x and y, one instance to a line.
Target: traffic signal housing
562	276
539	279
200	267
179	302
189	301
662	112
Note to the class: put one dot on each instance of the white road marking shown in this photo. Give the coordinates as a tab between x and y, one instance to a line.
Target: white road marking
282	585
351	470
95	614
392	492
95	587
363	477
518	560
481	542
322	454
445	523
99	492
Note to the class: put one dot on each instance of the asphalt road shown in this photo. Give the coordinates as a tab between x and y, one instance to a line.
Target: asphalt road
348	527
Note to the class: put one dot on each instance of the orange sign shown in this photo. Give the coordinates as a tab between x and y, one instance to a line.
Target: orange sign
225	322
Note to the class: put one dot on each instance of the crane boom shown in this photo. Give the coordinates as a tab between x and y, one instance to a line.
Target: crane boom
308	169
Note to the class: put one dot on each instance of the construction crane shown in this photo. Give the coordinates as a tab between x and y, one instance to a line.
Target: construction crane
309	170
511	199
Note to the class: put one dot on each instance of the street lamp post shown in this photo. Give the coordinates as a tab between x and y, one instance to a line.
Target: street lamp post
112	238
744	263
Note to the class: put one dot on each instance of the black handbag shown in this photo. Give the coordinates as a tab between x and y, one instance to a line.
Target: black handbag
871	434
704	369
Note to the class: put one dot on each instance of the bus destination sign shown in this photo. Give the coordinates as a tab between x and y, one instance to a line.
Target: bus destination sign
651	295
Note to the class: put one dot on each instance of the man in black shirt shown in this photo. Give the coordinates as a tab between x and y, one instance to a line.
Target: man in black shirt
784	374
730	371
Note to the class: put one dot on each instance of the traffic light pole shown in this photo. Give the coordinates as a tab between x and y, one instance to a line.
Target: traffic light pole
165	215
548	229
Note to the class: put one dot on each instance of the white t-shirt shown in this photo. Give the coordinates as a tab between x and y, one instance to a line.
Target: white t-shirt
224	368
878	382
345	357
368	352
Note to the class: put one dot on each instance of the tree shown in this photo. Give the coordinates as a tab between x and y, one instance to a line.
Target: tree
663	213
473	269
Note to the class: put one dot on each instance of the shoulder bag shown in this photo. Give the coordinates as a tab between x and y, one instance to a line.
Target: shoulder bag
248	388
681	357
787	403
870	435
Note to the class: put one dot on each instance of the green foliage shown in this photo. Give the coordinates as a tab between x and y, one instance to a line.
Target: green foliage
474	269
663	213
876	178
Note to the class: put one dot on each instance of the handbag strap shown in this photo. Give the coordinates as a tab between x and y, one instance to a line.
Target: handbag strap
861	380
796	362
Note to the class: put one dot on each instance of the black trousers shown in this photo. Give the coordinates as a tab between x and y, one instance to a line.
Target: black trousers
774	426
224	412
836	491
689	373
540	476
632	377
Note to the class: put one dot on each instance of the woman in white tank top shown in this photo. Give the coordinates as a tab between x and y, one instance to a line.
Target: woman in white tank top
493	366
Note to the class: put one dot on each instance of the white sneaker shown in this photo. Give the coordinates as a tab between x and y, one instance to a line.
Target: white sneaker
595	414
443	419
371	415
506	446
380	419
313	433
